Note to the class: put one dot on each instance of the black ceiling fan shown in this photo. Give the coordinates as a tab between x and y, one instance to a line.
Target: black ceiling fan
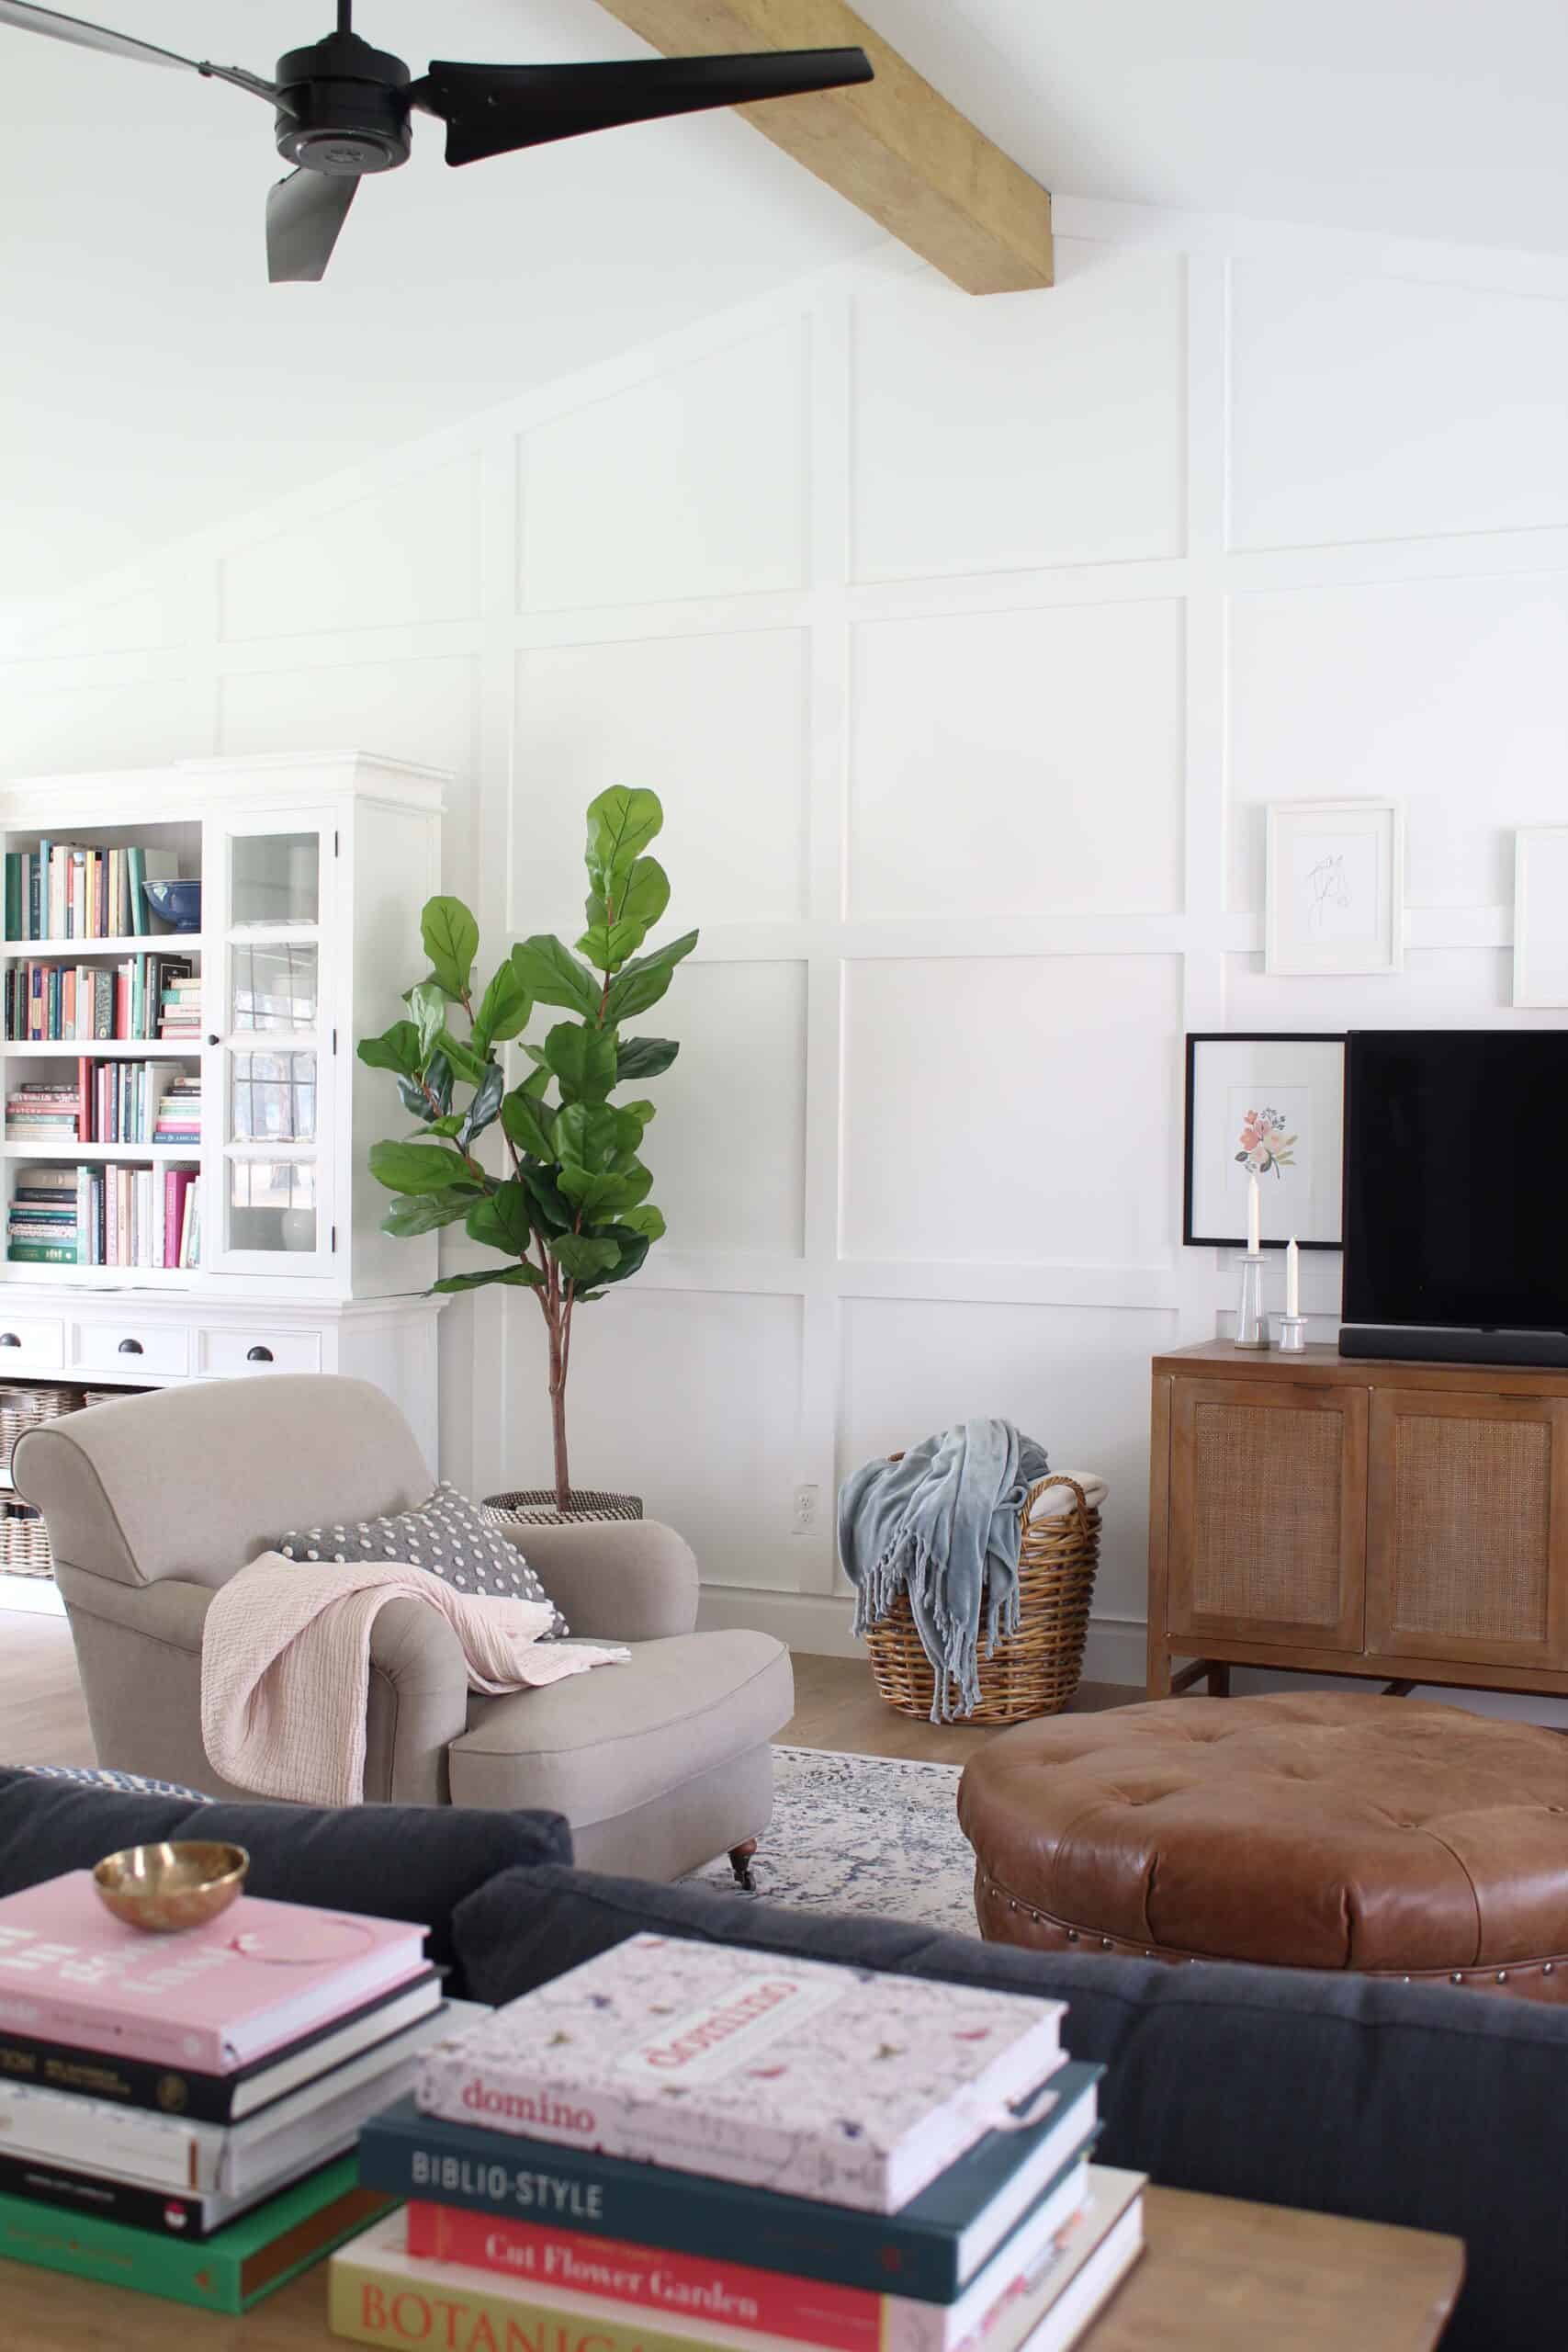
342	108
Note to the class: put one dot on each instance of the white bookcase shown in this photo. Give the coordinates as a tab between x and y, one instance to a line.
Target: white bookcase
313	870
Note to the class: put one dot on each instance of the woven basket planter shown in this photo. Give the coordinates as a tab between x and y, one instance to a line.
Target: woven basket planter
24	1539
537	1507
23	1542
1033	1672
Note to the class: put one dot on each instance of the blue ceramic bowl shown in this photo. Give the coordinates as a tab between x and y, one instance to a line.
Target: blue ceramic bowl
176	902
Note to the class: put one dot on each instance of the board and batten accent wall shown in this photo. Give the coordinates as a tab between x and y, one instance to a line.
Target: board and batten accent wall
964	642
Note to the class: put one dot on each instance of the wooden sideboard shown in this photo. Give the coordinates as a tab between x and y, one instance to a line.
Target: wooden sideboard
1406	1521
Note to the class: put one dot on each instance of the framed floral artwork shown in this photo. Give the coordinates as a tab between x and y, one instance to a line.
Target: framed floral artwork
1271	1107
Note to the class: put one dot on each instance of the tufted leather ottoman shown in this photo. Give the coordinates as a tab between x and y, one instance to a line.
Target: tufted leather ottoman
1382	1834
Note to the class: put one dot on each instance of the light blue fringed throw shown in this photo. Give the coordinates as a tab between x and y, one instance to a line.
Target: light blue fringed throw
943	1525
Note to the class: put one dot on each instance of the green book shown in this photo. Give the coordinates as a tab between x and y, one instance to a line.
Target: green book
227	2272
14	895
136	874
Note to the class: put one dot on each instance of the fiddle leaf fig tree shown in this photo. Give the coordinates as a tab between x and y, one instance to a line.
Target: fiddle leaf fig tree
567	1208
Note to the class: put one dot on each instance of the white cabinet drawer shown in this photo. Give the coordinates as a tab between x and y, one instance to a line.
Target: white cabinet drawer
227	1354
130	1346
30	1343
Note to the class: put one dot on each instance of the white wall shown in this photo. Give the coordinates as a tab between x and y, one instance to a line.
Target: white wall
964	642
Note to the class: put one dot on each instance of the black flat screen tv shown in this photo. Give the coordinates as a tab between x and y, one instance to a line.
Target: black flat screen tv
1456	1178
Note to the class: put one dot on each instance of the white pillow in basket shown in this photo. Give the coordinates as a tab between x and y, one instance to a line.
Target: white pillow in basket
445	1535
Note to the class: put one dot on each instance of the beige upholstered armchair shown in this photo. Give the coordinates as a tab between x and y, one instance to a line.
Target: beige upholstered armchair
155	1501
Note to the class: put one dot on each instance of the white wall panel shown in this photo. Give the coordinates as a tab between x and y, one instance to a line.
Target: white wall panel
1076	1378
407	553
997	763
1377	408
1452	694
993	434
1011	1109
1440	988
691	484
134	722
717	725
689	1398
728	1146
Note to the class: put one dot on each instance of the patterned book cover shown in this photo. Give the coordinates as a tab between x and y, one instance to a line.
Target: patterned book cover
212	1999
826	2082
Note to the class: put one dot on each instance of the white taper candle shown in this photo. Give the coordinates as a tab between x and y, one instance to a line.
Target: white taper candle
1254	1214
1293	1278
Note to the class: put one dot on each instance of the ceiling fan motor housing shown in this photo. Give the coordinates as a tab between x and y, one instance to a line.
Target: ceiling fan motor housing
343	108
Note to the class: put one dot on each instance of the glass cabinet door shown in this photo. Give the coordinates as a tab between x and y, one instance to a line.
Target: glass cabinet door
270	1195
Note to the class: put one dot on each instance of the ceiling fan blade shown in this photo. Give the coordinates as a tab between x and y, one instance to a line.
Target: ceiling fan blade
304	213
82	35
493	110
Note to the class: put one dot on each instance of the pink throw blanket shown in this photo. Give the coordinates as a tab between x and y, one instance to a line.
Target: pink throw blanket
286	1658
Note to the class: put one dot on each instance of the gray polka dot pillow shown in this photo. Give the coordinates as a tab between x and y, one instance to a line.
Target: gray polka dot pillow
445	1535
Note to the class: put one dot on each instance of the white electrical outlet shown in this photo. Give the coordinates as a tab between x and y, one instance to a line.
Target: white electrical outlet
805	1508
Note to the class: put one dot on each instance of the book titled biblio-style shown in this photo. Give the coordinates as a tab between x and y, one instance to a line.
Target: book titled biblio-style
827	2082
213	1998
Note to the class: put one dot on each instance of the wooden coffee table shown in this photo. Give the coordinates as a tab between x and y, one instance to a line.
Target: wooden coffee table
1217	2276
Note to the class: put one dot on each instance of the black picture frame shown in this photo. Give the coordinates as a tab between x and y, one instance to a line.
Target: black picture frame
1196	1037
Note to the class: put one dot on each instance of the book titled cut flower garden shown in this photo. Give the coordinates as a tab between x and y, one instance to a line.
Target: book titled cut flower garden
826	2082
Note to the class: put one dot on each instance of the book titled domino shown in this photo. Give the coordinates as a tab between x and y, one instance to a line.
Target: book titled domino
834	2082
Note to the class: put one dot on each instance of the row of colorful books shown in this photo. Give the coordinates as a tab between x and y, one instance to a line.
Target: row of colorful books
95	1216
683	2148
74	1003
179	1006
178	2113
76	890
111	1102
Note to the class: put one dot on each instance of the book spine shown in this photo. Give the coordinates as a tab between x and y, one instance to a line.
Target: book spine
419	2156
372	2304
39	1253
33	862
164	2212
730	2294
136	859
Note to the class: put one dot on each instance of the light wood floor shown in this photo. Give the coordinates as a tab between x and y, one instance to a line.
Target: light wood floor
44	1721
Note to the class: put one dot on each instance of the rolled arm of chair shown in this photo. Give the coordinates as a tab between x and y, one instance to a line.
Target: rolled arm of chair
416	1705
619	1581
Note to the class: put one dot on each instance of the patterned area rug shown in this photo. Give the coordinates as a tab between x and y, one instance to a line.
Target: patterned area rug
864	1833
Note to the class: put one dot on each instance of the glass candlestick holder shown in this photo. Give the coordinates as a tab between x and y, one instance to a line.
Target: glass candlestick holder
1251	1322
1292	1336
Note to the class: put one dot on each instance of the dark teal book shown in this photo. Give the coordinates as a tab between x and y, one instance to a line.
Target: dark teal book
929	2250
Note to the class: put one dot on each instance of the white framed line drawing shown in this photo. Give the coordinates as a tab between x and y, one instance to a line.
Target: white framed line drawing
1333	886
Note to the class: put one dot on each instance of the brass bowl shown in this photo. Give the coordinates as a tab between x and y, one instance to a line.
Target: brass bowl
162	1889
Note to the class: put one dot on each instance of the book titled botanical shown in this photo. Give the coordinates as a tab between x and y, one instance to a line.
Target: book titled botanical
794	2075
213	1998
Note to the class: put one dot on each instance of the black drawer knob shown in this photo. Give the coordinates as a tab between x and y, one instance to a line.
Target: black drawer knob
130	1346
10	1339
213	1038
259	1355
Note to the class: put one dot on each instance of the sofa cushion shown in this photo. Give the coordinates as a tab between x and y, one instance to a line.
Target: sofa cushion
1334	2092
395	1862
99	1776
601	1743
445	1533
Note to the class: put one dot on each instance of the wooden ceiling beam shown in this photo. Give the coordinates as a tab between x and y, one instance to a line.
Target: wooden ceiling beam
894	146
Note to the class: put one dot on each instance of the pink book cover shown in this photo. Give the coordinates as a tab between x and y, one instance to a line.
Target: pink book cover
210	1998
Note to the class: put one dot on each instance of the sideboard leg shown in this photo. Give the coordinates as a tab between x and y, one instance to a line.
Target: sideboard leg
1219	1679
1160	1682
1397	1690
1194	1671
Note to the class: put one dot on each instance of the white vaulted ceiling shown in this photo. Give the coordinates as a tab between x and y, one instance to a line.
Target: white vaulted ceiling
150	381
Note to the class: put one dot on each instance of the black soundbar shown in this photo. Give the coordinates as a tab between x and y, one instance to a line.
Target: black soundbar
1436	1343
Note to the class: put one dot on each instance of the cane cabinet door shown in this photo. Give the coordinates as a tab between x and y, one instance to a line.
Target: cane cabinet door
1468	1527
1267	1512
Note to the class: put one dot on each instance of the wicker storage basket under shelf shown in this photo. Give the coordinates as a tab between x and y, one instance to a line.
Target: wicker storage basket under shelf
24	1539
1034	1671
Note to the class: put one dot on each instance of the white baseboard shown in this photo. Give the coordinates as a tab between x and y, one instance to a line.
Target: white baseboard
818	1625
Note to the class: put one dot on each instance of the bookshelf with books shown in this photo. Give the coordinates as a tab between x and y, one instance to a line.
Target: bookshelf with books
184	1189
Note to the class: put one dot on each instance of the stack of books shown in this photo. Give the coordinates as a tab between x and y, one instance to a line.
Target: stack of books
72	890
43	1109
179	1007
74	1003
42	1224
179	1110
675	2148
176	2112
